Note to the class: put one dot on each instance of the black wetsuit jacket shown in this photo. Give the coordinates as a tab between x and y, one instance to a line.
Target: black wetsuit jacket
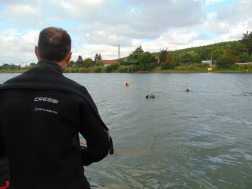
4	172
41	115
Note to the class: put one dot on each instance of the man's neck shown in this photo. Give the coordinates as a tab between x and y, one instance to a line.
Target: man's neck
50	65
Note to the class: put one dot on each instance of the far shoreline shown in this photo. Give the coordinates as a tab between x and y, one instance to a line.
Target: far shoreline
156	70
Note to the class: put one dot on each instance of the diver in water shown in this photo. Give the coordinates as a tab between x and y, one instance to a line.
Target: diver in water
150	96
187	90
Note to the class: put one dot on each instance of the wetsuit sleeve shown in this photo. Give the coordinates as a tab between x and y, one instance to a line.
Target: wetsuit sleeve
4	165
2	148
93	130
4	171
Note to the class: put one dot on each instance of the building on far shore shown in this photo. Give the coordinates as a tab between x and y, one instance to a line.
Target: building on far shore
210	62
244	63
108	62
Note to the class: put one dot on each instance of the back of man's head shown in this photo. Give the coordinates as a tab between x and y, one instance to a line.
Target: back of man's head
54	44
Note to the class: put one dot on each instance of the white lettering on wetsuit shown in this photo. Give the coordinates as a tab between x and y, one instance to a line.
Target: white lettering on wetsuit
46	99
45	110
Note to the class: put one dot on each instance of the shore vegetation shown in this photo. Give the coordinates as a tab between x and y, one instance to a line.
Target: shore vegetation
232	56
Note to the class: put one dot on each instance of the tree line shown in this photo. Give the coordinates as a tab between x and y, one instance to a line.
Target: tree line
86	63
225	54
79	63
13	67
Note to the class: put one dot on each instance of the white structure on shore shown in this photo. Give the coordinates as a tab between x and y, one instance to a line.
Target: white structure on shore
210	62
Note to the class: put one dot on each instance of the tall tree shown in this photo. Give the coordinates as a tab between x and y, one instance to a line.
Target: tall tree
216	53
186	57
247	40
136	53
145	57
196	58
96	57
203	56
244	57
225	62
87	62
134	56
99	57
99	63
237	59
163	55
169	58
70	64
240	49
80	59
33	64
228	52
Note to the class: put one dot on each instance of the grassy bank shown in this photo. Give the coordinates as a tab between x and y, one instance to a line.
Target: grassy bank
178	69
13	71
201	70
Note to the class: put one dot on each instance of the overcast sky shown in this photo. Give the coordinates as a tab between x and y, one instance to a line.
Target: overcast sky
99	26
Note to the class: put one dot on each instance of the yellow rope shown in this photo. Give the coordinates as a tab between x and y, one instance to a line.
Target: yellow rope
144	150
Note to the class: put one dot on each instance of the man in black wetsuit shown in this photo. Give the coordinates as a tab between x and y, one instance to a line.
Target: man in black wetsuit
41	115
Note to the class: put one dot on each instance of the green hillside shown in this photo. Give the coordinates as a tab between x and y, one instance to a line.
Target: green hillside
207	49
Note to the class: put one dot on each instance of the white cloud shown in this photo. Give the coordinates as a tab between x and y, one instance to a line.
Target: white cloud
180	38
76	9
234	33
229	18
238	12
101	37
17	47
89	51
173	40
31	37
98	26
141	19
24	14
7	54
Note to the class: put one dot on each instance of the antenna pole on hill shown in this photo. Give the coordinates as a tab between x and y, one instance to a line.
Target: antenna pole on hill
118	54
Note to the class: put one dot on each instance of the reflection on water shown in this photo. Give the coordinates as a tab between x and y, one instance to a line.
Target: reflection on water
203	138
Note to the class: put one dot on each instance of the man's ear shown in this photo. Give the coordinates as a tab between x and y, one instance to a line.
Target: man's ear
68	58
36	52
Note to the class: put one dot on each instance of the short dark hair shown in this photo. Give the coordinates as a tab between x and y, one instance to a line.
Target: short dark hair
54	44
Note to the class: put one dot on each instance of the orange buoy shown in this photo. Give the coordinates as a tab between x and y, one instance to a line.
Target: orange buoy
127	84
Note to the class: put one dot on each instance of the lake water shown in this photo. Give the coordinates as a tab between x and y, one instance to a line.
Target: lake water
204	137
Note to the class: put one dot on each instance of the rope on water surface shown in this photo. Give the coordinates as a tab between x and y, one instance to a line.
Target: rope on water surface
150	144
